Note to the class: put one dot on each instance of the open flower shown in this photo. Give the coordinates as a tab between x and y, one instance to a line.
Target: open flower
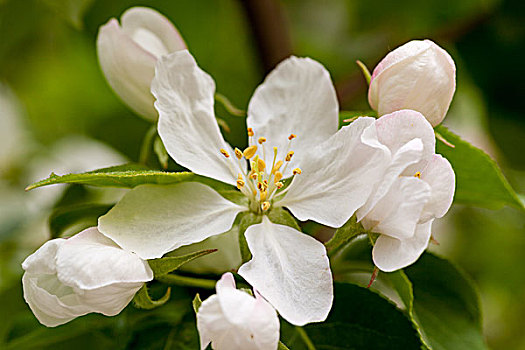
418	75
67	278
233	319
293	140
417	187
128	54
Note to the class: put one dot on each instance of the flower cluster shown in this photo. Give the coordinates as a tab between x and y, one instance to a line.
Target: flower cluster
384	171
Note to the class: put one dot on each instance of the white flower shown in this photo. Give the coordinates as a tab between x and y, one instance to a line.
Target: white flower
418	75
294	111
128	54
233	319
417	187
67	278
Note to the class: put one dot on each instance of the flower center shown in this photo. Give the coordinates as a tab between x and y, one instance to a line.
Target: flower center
261	182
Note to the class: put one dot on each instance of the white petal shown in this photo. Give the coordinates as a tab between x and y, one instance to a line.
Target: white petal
440	176
396	129
410	153
337	177
297	97
43	260
128	68
89	260
418	75
398	212
152	220
291	270
390	254
187	125
152	31
232	319
112	299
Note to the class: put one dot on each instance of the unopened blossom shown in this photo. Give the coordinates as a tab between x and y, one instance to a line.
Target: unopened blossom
68	278
296	159
233	319
418	75
417	187
128	53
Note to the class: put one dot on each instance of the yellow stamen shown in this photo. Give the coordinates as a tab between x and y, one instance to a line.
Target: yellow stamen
289	156
291	137
225	153
277	166
261	140
263	196
250	151
238	153
297	171
250	132
262	186
418	175
279	185
254	192
254	176
277	177
265	206
261	165
240	184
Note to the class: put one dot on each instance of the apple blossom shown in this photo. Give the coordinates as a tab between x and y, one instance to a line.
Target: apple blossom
128	53
292	121
417	187
67	278
233	319
418	75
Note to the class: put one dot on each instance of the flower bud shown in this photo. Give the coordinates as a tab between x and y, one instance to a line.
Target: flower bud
418	75
128	53
67	278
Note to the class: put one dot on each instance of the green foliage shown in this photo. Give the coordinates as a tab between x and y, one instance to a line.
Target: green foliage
344	234
143	300
479	180
79	216
165	265
360	319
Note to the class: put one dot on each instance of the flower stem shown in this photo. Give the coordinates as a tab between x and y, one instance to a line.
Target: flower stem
187	281
146	144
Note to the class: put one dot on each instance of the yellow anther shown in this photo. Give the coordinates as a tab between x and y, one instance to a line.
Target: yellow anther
262	186
250	132
263	196
277	166
250	151
261	140
261	165
254	176
238	153
418	175
291	137
277	177
265	206
240	184
225	153
289	156
254	192
279	185
297	171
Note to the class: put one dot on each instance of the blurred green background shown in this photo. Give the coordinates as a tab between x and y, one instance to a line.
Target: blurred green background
58	114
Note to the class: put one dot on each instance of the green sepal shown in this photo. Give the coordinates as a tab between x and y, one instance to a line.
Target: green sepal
479	180
283	217
247	219
165	265
196	303
281	346
160	151
142	299
344	235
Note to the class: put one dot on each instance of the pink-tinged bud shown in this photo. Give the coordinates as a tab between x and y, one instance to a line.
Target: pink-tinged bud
128	53
418	75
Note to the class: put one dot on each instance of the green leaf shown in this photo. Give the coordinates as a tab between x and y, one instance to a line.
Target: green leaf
445	304
281	346
344	234
479	180
360	319
247	219
143	300
79	216
165	265
283	217
161	152
196	303
128	176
